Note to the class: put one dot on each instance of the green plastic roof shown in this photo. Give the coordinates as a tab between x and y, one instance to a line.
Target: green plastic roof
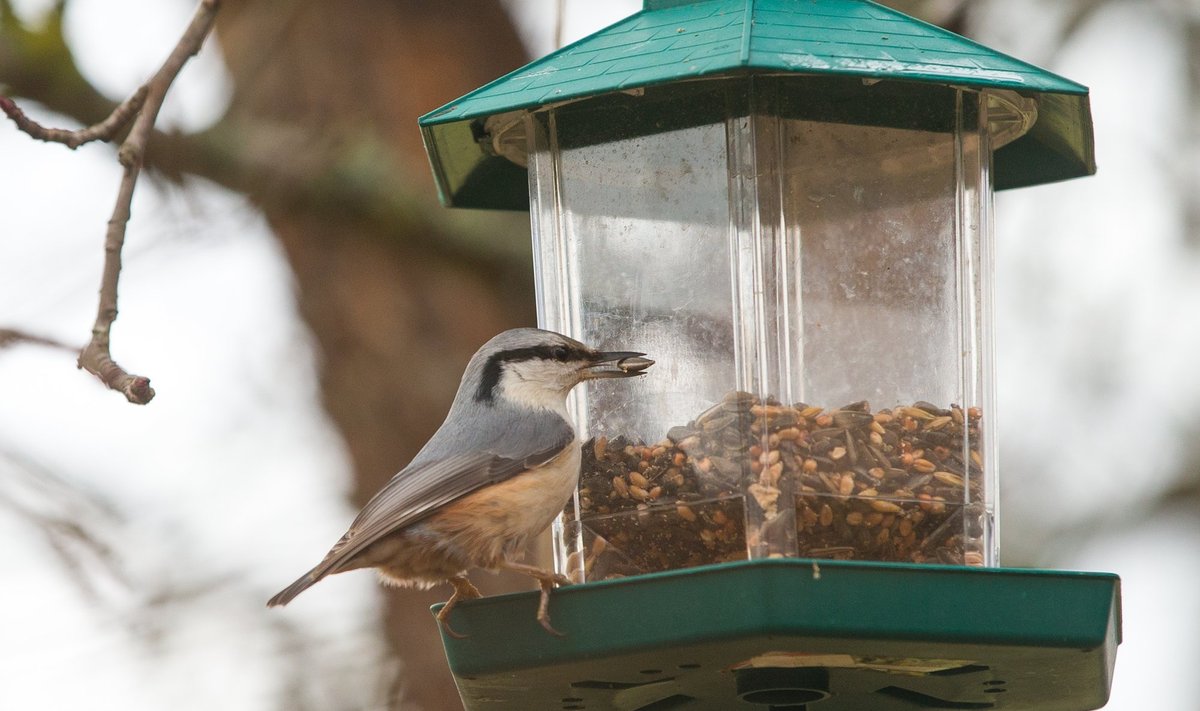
676	40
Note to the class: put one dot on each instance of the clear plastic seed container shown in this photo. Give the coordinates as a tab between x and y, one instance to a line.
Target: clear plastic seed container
809	262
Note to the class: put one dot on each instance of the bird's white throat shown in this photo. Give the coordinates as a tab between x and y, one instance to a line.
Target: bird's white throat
538	384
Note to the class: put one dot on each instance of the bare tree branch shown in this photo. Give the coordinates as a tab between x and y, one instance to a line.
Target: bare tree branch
76	524
11	337
280	163
559	10
103	131
944	13
96	357
142	108
1079	15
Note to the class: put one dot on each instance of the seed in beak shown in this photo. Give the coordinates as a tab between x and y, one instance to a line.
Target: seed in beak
636	364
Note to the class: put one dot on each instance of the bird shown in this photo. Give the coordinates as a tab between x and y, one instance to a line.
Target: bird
495	474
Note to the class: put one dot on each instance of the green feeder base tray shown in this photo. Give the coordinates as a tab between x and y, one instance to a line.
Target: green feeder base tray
791	635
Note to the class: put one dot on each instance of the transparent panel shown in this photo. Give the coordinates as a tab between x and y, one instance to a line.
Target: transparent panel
873	211
809	263
640	225
632	243
886	222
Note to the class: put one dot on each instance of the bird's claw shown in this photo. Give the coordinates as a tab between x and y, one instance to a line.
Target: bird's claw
450	631
547	581
463	590
543	613
545	622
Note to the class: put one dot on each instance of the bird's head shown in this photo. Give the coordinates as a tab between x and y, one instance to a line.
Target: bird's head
530	367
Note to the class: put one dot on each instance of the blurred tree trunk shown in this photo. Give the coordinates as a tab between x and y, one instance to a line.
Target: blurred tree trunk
396	318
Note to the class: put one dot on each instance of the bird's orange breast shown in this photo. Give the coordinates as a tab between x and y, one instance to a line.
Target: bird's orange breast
498	520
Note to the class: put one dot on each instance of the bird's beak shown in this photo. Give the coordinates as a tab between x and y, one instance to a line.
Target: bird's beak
616	364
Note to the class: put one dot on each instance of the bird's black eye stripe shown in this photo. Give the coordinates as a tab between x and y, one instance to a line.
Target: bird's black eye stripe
491	369
561	352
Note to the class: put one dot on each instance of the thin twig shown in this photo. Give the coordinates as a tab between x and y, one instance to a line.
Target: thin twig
559	10
96	357
75	523
11	337
103	131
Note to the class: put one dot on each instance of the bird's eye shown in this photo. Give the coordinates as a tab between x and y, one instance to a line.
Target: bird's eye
560	353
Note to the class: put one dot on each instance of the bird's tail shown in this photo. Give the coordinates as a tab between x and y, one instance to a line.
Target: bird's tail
303	583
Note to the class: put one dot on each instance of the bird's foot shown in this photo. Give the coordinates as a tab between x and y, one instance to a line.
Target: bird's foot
546	580
463	590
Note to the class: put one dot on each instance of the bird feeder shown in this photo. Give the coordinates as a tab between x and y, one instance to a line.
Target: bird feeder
788	205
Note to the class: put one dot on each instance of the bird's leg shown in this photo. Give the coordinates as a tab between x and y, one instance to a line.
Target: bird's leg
546	580
463	590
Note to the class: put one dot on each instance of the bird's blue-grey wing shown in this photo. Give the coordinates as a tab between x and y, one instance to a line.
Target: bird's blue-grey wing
432	482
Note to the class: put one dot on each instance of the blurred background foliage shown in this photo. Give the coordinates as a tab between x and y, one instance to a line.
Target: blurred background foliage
313	141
